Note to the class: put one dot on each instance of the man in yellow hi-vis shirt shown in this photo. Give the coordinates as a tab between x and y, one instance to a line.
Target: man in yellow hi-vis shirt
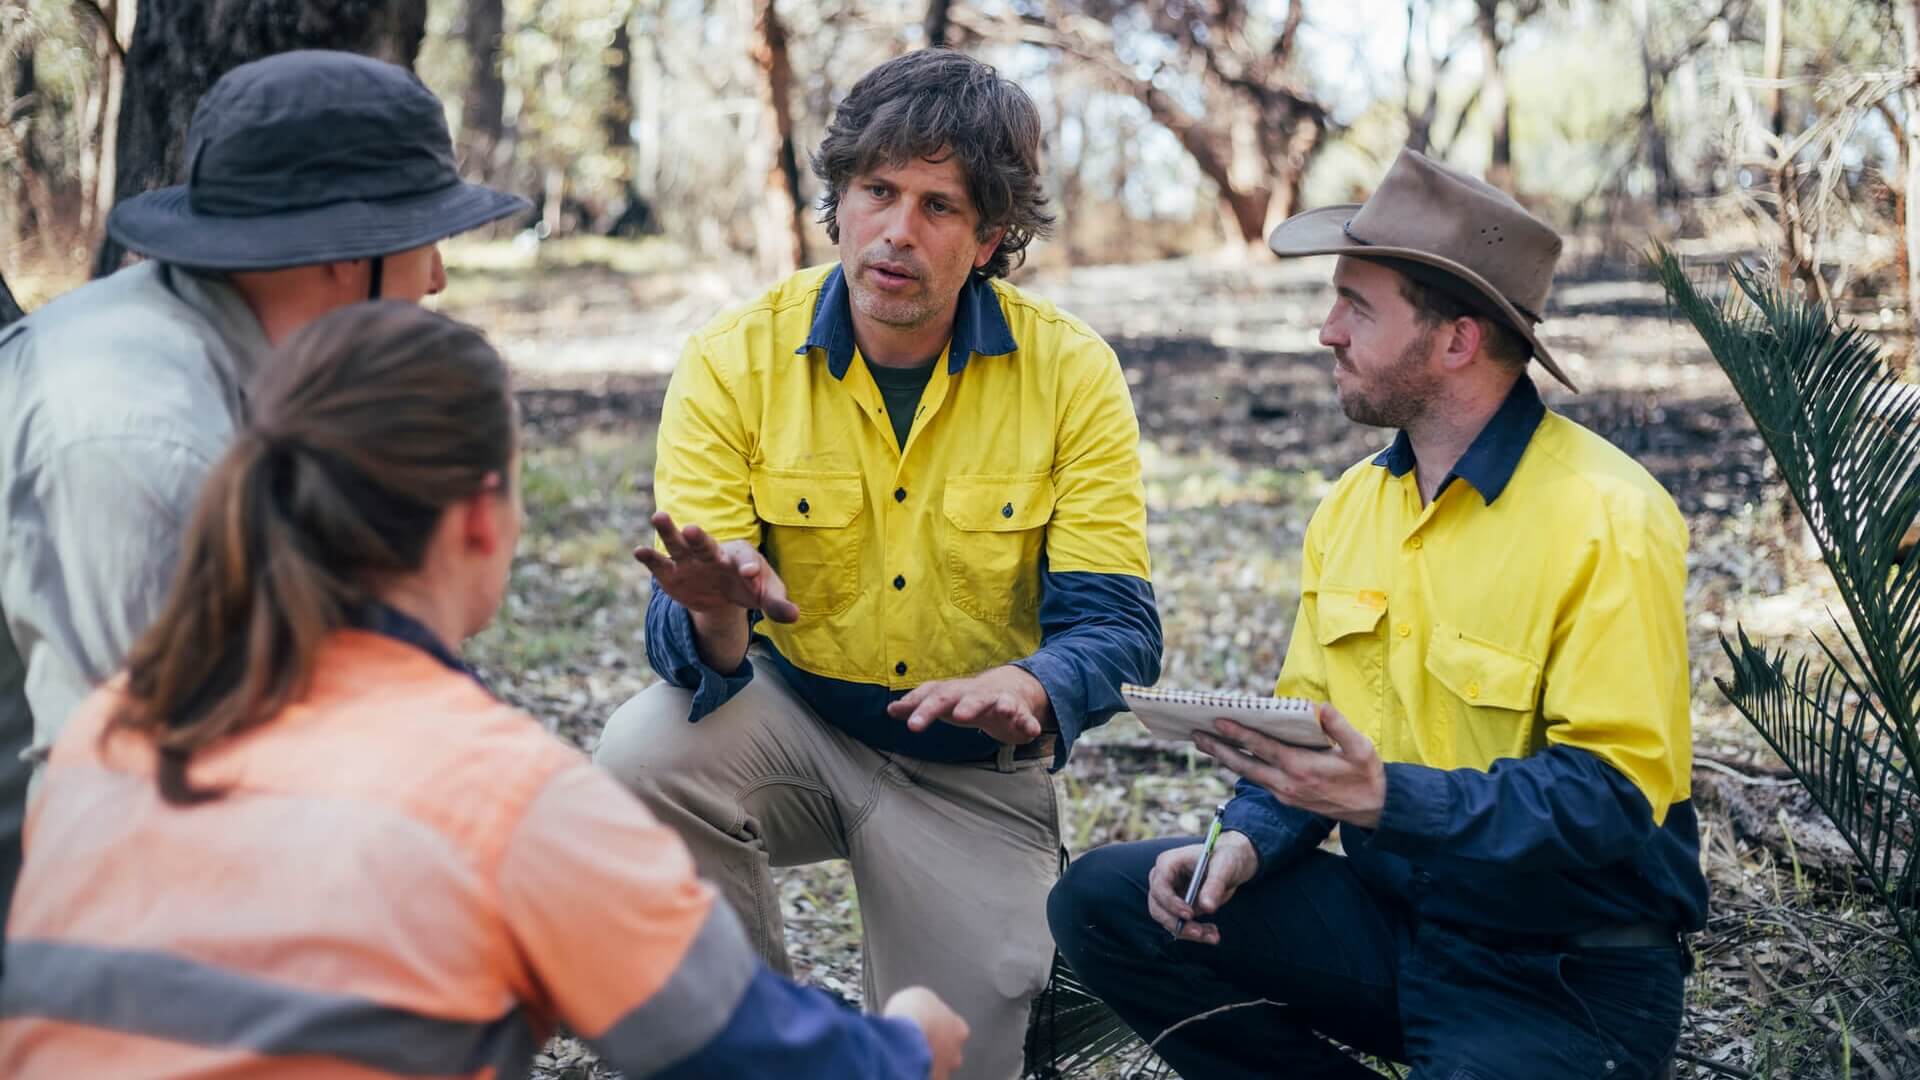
1492	609
903	560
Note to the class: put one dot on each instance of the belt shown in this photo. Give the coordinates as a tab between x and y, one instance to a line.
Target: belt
1621	936
1005	756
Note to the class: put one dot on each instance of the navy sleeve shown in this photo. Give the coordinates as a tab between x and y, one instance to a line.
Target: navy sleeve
675	657
782	1030
1560	809
1280	833
1097	631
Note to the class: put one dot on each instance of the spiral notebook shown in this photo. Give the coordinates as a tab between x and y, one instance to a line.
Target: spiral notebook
1177	714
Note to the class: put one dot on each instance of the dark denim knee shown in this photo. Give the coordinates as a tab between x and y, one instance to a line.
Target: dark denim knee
1102	898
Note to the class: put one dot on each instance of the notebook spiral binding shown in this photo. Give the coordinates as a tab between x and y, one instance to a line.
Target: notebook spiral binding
1204	699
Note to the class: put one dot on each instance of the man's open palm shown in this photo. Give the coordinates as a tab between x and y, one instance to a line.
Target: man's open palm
708	577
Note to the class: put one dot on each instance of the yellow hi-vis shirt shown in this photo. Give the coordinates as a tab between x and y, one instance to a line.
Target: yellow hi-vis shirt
1016	498
1492	624
1517	651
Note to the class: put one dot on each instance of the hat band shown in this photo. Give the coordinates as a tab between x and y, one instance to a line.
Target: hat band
1452	285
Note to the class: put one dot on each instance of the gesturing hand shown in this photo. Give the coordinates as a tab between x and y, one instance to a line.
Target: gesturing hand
1347	783
1005	702
708	577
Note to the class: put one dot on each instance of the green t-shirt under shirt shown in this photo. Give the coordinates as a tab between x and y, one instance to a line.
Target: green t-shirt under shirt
900	388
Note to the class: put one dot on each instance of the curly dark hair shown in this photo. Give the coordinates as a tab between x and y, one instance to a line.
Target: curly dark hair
930	103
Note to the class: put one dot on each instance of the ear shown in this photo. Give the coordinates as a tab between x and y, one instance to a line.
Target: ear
984	254
1463	342
479	519
348	278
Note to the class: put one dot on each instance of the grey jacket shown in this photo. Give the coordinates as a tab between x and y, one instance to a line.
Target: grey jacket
115	402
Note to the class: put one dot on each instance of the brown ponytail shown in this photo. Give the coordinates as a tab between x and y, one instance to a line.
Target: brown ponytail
367	424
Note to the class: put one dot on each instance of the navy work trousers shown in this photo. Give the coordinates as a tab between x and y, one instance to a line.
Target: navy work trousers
1349	964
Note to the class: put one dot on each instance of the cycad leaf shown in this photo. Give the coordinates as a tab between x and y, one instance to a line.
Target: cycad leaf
1070	1031
1845	433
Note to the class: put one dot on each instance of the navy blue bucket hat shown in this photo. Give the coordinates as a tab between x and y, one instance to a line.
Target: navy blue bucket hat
310	157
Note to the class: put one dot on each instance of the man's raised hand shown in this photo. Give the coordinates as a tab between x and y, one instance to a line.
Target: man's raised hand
708	577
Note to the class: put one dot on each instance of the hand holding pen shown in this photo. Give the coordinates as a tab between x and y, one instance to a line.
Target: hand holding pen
1195	880
1200	870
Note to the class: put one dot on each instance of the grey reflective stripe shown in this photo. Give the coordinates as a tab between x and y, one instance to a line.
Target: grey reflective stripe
696	1002
166	996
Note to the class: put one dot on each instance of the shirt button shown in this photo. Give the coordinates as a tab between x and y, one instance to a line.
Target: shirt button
1473	690
1416	543
1403	629
1006	511
804	508
899	582
900	668
899	494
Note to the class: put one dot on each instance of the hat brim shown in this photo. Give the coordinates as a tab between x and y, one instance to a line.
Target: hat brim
1324	232
162	225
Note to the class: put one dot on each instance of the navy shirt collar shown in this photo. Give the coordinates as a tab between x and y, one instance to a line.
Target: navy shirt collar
1495	453
391	622
979	326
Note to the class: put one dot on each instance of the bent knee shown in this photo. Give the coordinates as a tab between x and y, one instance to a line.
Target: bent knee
644	735
1105	887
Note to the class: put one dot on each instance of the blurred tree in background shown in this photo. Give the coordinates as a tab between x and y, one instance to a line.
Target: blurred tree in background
1782	127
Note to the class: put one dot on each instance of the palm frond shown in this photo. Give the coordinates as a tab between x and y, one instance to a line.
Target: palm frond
1845	433
1070	1031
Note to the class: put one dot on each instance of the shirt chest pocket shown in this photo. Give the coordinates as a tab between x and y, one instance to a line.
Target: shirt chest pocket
997	530
812	535
1495	692
1345	626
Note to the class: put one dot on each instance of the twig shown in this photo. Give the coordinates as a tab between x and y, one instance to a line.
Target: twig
1757	781
1213	1012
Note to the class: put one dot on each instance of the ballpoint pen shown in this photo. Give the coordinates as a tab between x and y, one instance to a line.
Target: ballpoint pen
1200	870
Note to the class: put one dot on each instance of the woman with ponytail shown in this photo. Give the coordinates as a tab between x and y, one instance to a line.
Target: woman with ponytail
298	838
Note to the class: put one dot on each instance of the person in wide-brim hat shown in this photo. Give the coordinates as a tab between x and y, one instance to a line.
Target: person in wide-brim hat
1492	629
310	157
313	180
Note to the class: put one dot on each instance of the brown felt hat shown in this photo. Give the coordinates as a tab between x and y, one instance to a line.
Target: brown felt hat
1429	214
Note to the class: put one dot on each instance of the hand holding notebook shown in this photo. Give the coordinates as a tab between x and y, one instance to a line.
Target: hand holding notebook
1177	714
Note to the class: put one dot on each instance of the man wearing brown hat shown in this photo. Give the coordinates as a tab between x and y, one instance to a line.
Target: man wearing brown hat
1492	612
314	180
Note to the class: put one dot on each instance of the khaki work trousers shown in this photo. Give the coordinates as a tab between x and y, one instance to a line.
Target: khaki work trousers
952	862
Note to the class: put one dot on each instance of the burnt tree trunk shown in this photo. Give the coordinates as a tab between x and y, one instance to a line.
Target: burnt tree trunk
1666	190
783	237
483	111
9	307
181	47
1493	96
936	23
1909	196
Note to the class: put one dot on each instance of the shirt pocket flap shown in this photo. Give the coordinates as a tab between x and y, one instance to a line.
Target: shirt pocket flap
1482	673
1345	612
819	500
999	503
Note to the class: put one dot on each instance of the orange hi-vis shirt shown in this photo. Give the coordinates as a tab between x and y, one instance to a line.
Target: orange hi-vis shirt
405	877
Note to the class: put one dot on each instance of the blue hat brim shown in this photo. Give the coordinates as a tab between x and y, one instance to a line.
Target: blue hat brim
163	225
